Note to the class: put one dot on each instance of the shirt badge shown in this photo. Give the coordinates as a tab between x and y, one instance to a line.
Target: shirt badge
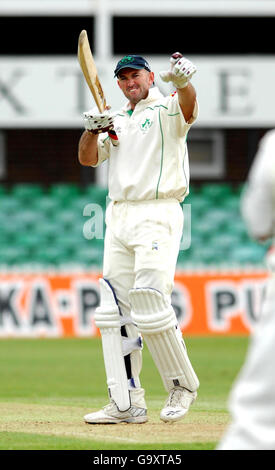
145	126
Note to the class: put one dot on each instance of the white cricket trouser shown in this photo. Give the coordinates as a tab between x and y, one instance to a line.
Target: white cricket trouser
252	400
141	248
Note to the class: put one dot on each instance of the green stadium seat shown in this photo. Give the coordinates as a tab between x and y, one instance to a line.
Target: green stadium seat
197	239
64	192
79	203
89	256
27	192
46	226
48	229
29	241
231	203
185	255
3	236
26	219
204	255
47	204
225	242
237	227
248	254
9	228
51	255
203	227
12	255
216	191
199	204
10	204
217	218
97	194
66	218
67	241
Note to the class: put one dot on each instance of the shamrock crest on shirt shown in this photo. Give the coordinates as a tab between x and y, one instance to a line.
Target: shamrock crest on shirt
145	125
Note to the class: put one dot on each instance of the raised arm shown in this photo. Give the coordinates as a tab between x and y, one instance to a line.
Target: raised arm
187	100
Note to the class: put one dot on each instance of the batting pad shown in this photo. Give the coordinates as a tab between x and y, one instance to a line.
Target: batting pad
156	320
107	319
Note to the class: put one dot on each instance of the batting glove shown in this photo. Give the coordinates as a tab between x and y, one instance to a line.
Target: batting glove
96	122
181	71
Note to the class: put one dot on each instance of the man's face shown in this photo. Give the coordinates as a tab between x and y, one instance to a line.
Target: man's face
135	84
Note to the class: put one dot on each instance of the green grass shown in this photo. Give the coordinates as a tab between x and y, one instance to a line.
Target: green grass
24	441
48	384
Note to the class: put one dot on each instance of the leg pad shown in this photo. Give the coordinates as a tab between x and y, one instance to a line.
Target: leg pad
107	319
157	322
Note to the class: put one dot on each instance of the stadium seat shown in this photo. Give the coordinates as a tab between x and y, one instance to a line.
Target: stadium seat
29	240
225	242
97	194
51	255
231	203
12	255
47	229
249	254
64	192
203	255
27	192
237	227
67	241
203	227
46	226
199	204
79	203
26	219
217	218
10	204
89	256
65	218
47	204
216	191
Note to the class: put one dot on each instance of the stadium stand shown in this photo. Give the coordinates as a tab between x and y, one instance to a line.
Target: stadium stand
44	226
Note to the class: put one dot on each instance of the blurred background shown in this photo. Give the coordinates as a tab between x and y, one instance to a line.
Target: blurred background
43	188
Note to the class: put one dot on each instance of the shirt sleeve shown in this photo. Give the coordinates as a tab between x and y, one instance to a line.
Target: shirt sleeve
175	116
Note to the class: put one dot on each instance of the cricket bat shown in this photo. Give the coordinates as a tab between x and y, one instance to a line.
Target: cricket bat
88	67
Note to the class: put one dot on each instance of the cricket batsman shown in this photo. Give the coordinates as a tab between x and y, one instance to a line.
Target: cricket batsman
148	179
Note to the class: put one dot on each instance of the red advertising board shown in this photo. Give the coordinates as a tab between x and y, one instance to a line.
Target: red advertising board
63	304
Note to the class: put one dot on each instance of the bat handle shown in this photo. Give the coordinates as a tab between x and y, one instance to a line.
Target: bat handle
114	138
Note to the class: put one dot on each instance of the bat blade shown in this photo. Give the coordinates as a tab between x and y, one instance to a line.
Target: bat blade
88	67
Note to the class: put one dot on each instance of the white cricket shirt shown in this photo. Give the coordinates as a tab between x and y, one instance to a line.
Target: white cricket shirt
151	160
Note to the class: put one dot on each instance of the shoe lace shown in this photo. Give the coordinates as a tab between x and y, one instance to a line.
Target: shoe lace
175	398
110	406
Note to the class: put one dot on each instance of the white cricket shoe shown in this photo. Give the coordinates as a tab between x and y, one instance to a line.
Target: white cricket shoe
110	414
177	404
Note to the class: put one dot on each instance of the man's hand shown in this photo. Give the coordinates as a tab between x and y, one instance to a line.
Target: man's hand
96	122
181	71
